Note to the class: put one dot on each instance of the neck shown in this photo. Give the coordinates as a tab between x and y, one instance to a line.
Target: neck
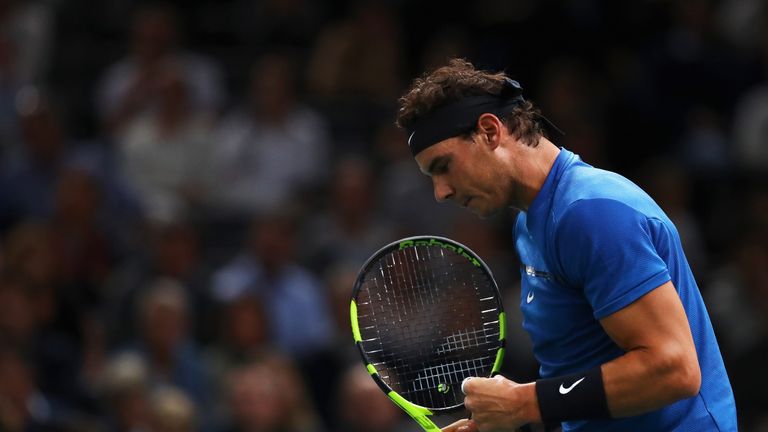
533	174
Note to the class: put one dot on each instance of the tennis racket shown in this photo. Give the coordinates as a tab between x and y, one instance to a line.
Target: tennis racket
426	313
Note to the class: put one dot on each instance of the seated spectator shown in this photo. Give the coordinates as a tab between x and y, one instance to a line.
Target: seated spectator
125	387
163	154
355	71
171	250
164	345
272	148
269	396
79	239
42	318
132	86
294	300
296	304
26	33
243	337
361	405
349	229
171	411
29	179
359	57
22	406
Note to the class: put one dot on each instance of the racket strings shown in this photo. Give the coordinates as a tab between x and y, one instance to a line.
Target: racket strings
429	318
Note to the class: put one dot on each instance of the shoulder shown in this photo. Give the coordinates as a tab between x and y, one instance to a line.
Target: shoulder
235	278
598	217
583	181
585	191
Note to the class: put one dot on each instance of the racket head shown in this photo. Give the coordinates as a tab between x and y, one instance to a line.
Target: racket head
426	313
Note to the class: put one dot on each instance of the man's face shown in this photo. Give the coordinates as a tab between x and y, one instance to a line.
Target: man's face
467	172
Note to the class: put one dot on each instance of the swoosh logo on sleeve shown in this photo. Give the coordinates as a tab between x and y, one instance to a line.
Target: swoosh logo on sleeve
411	137
566	390
529	298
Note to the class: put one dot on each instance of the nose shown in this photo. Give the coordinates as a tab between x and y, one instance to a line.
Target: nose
443	191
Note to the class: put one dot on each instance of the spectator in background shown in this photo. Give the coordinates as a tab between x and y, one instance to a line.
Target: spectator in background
28	181
172	250
295	301
340	279
27	27
269	396
41	317
270	150
359	57
171	411
171	357
125	390
355	71
243	333
243	337
361	406
51	362
18	318
133	85
83	245
349	229
25	51
22	406
293	298
402	189
164	153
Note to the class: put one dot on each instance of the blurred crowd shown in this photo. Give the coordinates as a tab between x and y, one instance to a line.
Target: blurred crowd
187	190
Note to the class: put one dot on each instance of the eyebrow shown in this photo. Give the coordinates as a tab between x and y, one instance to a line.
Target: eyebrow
435	162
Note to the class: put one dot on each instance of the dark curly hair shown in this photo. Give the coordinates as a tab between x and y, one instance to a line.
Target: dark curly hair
457	80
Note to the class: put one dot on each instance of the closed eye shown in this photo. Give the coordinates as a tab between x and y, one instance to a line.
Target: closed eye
439	165
441	169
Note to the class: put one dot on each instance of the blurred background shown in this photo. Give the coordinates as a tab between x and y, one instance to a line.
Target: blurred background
187	190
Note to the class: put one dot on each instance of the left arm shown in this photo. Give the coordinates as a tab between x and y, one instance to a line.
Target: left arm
659	367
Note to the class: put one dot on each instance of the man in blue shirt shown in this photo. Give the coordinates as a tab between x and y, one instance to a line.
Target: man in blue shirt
617	321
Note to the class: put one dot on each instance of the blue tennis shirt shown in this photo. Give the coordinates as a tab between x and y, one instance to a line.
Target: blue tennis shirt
591	243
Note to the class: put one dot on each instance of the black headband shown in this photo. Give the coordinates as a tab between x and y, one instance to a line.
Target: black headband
461	116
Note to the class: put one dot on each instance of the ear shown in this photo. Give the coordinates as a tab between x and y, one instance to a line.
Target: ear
489	128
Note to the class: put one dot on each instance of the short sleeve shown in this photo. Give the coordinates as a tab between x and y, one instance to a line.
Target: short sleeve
606	248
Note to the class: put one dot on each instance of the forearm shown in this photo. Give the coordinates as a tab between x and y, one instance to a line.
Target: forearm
660	365
643	380
639	381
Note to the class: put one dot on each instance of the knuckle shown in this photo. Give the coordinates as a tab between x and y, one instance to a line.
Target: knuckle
469	403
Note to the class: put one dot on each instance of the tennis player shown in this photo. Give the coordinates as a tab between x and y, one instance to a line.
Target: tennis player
617	321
